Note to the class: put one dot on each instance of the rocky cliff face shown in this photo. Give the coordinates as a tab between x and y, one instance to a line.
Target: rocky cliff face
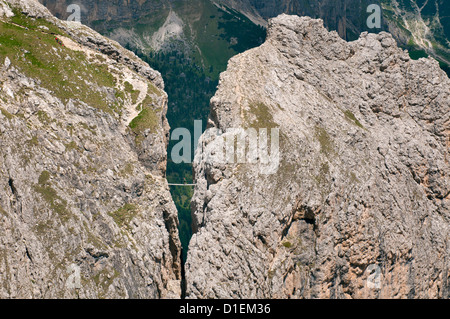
359	203
85	210
347	17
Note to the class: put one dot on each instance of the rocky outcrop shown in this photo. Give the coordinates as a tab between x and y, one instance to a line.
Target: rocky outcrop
359	203
85	209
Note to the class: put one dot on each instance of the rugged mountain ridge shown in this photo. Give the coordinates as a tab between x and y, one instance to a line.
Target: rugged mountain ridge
359	204
420	25
202	31
85	209
347	17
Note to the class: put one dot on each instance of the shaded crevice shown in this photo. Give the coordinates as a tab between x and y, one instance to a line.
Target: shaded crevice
171	226
262	239
17	206
13	188
27	252
183	279
176	250
301	212
311	221
97	255
286	229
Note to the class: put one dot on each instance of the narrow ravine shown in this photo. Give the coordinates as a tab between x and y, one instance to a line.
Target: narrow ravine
189	89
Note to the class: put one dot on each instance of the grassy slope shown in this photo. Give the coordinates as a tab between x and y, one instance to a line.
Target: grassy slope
67	73
31	46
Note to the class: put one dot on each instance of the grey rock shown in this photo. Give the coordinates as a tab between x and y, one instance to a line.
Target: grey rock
85	209
359	204
30	8
7	62
5	11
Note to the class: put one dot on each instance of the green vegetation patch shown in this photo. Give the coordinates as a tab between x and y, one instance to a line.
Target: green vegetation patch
32	142
153	89
71	146
127	170
3	212
353	178
8	115
92	239
130	89
323	172
287	244
43	117
123	216
263	115
91	129
350	116
44	178
34	24
326	143
147	119
56	203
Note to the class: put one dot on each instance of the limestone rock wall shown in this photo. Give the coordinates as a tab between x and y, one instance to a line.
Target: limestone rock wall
359	204
85	209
